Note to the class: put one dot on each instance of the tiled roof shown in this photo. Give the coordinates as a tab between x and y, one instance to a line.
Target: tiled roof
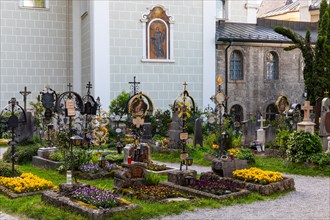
315	4
241	32
282	10
268	5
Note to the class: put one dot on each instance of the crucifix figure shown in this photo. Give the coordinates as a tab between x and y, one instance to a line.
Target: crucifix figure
25	93
307	108
261	120
134	86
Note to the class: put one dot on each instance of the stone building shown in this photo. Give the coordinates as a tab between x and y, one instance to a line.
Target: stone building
255	68
45	42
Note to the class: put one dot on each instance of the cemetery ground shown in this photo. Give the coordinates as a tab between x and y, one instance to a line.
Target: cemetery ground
34	208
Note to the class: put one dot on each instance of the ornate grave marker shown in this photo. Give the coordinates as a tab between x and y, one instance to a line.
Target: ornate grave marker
100	123
140	107
219	100
13	121
283	106
90	108
183	104
66	105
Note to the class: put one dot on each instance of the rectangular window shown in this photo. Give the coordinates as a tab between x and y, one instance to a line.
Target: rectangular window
34	3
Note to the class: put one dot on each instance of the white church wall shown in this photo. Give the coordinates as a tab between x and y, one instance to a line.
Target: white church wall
33	49
161	81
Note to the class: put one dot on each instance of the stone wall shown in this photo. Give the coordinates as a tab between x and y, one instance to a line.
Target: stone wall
255	93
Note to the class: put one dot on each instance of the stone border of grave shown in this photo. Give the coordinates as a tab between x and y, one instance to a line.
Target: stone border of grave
162	172
94	176
58	200
45	163
287	184
198	193
13	195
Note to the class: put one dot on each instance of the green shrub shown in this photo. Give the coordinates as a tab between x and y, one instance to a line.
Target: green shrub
5	170
211	139
56	156
301	145
152	179
282	138
322	159
24	153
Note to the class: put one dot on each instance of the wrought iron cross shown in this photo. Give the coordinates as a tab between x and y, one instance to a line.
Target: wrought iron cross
69	87
134	85
89	86
25	93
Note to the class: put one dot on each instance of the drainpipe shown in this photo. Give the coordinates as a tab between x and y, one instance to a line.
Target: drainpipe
226	72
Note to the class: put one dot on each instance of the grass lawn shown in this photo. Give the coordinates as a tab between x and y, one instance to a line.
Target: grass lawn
33	207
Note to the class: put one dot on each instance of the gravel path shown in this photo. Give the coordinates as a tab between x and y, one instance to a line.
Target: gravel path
4	216
310	201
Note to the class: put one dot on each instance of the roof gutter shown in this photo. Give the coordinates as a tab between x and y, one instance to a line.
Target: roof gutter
226	72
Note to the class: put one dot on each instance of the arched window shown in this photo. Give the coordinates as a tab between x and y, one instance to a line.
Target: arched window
271	112
236	111
236	66
272	66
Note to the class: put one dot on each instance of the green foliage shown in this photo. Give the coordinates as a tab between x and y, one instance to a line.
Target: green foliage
236	141
6	170
119	104
282	138
152	179
245	154
317	60
211	139
301	145
114	157
160	122
24	153
56	156
190	122
321	158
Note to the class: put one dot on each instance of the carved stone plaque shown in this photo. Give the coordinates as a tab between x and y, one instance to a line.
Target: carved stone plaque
69	105
327	122
136	172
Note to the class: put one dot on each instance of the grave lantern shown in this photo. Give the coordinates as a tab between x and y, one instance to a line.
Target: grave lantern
76	140
102	161
189	161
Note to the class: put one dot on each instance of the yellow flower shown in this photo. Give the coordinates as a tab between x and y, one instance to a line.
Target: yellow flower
27	182
257	175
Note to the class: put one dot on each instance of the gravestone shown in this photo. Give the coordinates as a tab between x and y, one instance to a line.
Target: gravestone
226	167
261	133
270	134
24	132
248	131
325	122
174	131
306	124
147	135
141	153
198	133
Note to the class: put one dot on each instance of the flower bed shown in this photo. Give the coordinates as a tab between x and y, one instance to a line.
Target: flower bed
94	171
155	193
96	197
199	193
255	175
286	184
92	202
217	187
26	184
